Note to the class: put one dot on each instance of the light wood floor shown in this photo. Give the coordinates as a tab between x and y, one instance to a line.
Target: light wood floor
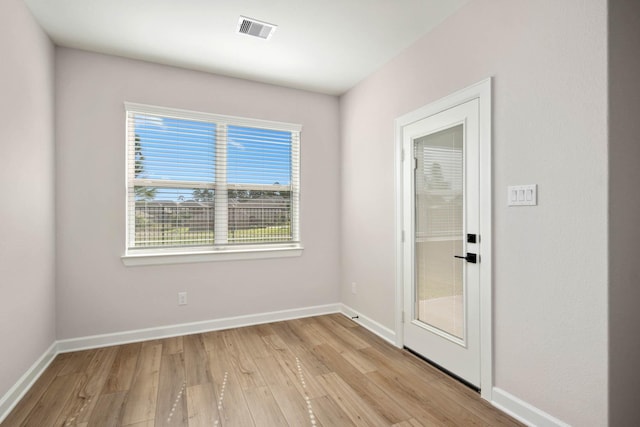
320	371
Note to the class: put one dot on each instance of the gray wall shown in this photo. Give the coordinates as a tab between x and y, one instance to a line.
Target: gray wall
624	212
27	293
96	293
548	60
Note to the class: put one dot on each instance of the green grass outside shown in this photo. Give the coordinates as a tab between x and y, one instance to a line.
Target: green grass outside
183	236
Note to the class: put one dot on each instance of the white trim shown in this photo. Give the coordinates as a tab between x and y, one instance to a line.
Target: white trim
523	411
124	337
201	116
502	400
370	324
133	255
158	258
26	381
400	156
486	238
482	91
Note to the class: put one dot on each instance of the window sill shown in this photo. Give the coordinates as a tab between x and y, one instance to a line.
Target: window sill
158	258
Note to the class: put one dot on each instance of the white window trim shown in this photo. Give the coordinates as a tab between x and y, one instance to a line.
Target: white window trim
178	113
161	256
132	259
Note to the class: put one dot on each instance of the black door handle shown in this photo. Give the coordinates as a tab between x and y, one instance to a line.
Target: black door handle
472	258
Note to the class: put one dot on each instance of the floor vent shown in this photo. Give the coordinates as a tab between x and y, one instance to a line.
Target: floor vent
253	27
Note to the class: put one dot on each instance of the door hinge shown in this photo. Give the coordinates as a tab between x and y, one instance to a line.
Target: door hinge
402	155
402	236
402	316
415	163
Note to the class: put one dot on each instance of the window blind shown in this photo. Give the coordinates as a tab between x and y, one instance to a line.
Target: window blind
200	180
439	183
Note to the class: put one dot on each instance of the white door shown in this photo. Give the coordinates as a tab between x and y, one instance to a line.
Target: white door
441	223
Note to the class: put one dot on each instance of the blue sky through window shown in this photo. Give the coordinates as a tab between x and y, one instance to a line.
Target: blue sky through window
176	149
258	156
184	150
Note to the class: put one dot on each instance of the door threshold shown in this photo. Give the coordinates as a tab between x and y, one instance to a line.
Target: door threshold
443	370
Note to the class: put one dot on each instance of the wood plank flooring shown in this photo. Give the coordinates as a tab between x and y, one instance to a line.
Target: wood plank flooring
318	371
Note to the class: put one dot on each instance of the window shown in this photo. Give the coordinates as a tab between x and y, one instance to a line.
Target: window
207	184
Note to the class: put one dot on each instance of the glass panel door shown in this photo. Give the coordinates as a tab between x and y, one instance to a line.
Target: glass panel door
441	185
439	230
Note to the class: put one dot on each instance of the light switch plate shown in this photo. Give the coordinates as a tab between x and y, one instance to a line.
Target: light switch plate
522	195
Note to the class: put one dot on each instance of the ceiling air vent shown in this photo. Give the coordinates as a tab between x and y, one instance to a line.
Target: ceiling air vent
253	27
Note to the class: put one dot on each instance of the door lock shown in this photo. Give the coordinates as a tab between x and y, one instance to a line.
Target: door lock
472	258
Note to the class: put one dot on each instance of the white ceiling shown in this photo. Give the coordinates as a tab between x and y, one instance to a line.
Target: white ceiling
321	45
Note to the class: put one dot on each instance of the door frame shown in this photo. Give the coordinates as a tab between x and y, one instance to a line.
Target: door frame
482	92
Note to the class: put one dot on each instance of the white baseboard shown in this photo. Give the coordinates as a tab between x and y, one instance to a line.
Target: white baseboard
373	326
20	388
138	335
501	399
523	411
506	402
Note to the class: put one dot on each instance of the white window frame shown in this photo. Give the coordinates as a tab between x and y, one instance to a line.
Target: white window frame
219	252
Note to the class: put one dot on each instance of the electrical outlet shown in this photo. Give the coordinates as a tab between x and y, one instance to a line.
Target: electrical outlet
182	298
354	288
